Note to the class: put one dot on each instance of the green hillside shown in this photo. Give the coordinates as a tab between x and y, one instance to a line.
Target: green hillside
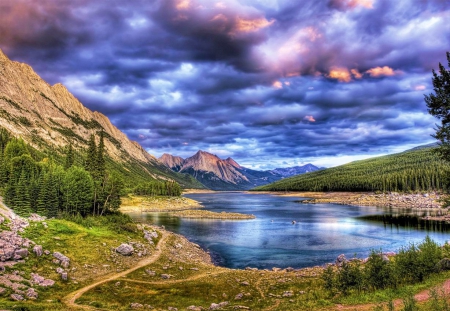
418	169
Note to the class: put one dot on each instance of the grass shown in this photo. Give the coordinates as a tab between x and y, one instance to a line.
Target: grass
88	245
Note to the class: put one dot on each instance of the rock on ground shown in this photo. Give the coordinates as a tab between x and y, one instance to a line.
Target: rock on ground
125	249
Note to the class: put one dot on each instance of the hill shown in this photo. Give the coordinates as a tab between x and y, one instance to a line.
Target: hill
418	169
50	117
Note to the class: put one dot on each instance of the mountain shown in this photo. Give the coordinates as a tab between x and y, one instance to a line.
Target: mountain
418	169
50	117
295	170
218	174
173	162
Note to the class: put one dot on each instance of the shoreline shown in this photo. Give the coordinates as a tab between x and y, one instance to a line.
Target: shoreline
418	201
181	207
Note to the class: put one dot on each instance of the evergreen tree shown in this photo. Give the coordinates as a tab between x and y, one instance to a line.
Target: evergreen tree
78	190
100	157
52	196
91	155
21	202
41	202
439	106
15	148
33	190
70	157
4	139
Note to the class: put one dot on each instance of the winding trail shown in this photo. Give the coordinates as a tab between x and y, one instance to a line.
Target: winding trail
70	298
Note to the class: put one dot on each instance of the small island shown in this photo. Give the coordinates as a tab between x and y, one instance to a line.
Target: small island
177	206
211	215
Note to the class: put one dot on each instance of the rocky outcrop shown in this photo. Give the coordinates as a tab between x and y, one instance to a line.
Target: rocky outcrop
64	261
125	249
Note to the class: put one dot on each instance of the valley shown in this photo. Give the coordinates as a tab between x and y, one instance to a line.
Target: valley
119	236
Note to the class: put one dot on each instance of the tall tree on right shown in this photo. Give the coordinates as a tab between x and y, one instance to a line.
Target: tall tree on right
438	104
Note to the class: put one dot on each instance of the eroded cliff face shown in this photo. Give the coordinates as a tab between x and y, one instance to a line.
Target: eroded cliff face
50	115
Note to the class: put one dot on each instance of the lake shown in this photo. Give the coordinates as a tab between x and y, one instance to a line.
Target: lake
320	234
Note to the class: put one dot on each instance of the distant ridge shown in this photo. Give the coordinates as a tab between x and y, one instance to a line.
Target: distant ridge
217	174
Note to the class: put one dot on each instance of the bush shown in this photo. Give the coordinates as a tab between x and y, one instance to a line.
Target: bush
378	271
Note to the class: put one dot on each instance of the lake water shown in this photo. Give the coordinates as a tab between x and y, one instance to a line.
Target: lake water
320	234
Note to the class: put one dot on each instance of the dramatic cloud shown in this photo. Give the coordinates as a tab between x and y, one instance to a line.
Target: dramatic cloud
269	83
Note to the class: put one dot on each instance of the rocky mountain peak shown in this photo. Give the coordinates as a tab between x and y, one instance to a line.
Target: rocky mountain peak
233	163
204	161
173	162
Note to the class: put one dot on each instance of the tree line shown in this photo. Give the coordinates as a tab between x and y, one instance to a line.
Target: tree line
158	188
33	184
416	170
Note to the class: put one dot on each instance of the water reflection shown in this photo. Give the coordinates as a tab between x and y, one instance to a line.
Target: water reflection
320	234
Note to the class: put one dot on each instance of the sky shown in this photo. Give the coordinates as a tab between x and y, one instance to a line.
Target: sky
270	83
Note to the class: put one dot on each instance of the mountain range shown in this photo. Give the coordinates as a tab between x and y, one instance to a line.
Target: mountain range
49	117
218	174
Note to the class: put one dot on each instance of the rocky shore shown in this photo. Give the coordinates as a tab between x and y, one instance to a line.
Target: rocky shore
392	199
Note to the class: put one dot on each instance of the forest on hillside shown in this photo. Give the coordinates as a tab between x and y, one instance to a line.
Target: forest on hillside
77	182
414	170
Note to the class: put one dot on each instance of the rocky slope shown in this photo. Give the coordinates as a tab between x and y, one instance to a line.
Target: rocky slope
218	174
50	116
173	162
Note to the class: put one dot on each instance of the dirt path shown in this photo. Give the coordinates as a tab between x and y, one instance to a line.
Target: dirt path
423	296
70	298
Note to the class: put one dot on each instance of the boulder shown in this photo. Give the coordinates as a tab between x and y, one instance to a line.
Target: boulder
64	260
216	306
22	253
443	264
31	293
239	296
39	280
135	305
37	250
194	308
64	276
165	276
125	249
16	297
340	260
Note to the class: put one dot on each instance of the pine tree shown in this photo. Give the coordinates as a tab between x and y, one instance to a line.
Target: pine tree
41	203
439	106
52	196
100	157
70	157
22	199
91	155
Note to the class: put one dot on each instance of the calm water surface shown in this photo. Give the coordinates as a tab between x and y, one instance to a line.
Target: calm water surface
321	232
